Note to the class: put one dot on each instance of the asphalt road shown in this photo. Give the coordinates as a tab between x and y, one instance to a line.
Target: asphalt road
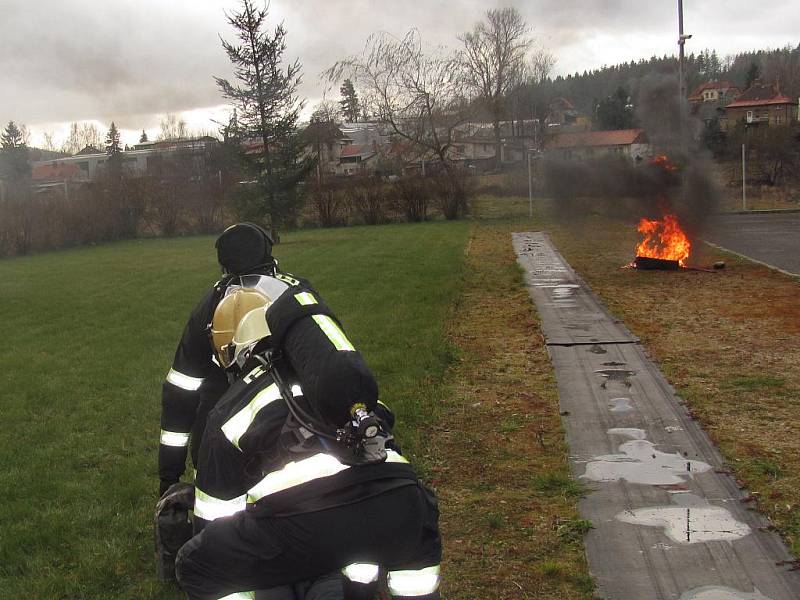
770	238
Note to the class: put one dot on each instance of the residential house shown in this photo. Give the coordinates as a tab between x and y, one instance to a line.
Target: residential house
708	100
324	142
562	116
47	176
761	104
87	164
584	145
358	159
475	143
366	133
714	91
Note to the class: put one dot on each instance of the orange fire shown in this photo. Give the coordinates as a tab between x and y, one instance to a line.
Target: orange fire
663	161
663	239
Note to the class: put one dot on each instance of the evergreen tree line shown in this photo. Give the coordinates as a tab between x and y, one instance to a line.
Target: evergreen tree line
589	89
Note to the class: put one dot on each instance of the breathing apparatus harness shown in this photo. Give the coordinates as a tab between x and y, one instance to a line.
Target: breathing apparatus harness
362	440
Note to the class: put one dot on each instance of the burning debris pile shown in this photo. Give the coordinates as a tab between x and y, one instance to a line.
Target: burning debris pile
664	244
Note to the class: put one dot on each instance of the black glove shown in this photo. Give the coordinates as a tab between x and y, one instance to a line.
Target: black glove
165	485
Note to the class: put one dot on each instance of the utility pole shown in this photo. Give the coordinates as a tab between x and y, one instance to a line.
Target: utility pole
744	181
530	185
681	80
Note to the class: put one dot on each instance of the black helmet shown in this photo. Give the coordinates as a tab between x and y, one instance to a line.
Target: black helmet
243	248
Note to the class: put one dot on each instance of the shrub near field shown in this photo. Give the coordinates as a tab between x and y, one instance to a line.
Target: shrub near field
90	334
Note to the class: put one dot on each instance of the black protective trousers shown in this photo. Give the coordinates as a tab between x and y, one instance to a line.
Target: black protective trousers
397	529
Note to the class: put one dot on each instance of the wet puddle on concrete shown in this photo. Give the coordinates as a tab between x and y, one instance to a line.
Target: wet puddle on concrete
712	592
639	462
619	405
628	432
620	375
691	521
563	295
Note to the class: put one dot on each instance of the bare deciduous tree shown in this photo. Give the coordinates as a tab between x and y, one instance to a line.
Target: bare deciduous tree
47	141
172	127
418	94
322	133
493	59
541	66
82	135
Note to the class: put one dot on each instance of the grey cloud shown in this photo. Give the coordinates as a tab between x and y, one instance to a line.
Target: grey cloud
126	59
79	60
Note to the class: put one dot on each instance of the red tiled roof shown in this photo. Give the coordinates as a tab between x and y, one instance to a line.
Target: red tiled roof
778	99
357	150
579	139
711	85
55	172
760	95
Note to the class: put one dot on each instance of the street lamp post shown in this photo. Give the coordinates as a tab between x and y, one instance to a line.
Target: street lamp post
530	186
681	83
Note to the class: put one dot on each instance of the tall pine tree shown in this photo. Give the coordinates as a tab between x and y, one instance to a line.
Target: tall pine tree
114	153
351	107
15	164
753	73
112	141
265	95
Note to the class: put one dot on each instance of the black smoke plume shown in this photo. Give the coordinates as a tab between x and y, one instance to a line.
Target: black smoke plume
637	187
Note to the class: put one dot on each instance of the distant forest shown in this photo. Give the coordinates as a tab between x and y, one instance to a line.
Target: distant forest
586	90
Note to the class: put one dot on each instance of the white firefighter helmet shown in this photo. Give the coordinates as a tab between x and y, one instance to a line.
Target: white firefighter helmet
229	315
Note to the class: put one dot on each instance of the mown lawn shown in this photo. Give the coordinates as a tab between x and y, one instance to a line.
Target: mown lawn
89	335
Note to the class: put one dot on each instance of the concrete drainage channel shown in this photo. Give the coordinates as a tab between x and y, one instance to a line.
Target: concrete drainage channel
668	519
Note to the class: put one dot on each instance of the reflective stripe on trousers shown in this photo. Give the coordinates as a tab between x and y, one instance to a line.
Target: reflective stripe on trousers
240	596
304	471
210	508
419	582
174	438
185	382
362	572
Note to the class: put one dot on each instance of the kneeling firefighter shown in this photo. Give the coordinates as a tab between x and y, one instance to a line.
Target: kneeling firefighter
197	377
298	476
228	464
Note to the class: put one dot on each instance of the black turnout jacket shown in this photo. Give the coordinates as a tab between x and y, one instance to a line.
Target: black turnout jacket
195	382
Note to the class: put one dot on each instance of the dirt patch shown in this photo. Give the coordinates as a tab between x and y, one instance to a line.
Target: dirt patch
498	460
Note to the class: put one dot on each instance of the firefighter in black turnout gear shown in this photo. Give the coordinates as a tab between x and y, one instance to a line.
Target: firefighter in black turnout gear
196	378
298	476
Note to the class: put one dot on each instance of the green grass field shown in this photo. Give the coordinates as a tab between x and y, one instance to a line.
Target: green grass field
89	335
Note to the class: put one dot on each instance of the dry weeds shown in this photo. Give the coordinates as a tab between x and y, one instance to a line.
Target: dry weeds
509	517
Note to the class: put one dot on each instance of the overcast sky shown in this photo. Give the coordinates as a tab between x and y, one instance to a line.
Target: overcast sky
131	61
